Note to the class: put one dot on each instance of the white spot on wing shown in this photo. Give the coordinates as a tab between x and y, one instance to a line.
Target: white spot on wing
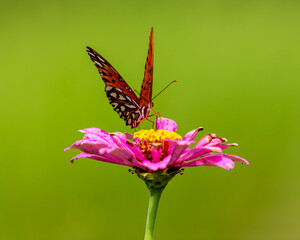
121	97
128	98
118	89
130	106
101	59
99	64
113	94
108	88
114	104
122	108
135	103
91	54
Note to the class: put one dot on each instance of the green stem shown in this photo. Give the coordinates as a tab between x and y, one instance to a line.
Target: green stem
155	194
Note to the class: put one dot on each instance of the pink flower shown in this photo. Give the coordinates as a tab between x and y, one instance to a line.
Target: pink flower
152	151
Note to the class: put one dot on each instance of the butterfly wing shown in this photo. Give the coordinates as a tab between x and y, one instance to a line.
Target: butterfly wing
146	90
120	95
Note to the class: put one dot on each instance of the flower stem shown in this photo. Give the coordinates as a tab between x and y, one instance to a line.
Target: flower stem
155	194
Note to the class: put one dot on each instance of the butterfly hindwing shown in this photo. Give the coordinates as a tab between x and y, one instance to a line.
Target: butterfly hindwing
123	105
120	95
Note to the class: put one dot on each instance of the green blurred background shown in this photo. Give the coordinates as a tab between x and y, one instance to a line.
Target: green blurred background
237	66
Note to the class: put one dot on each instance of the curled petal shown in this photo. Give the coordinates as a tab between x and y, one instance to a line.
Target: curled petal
210	140
166	124
224	146
216	141
205	140
236	158
190	136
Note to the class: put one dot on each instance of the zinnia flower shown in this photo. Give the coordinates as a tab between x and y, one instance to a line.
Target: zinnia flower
160	151
155	156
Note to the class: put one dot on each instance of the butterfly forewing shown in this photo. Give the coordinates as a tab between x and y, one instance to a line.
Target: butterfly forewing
120	95
146	89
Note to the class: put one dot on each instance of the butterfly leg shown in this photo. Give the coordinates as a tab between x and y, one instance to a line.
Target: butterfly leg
147	118
155	114
151	122
138	123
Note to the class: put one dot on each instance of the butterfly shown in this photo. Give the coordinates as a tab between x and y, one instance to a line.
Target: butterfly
131	109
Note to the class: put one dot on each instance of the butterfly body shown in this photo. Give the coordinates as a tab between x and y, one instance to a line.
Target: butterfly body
130	108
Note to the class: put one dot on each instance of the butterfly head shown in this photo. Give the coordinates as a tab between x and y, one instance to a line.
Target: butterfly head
149	108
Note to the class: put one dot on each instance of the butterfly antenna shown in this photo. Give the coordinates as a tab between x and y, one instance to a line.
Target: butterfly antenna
141	95
164	89
137	92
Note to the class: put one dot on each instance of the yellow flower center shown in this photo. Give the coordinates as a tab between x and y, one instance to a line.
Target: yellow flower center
157	139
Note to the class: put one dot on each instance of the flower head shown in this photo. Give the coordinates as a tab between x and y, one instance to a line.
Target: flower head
149	151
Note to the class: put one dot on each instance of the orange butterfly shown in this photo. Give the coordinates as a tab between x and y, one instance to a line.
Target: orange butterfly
131	109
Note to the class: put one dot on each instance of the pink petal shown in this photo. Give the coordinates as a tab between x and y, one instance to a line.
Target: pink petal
205	140
99	158
197	152
190	136
128	135
121	140
155	166
216	141
166	124
99	135
121	155
156	153
176	149
236	158
221	161
136	151
118	154
224	146
213	160
88	146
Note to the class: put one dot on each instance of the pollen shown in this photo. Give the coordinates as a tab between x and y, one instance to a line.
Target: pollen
156	136
157	139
